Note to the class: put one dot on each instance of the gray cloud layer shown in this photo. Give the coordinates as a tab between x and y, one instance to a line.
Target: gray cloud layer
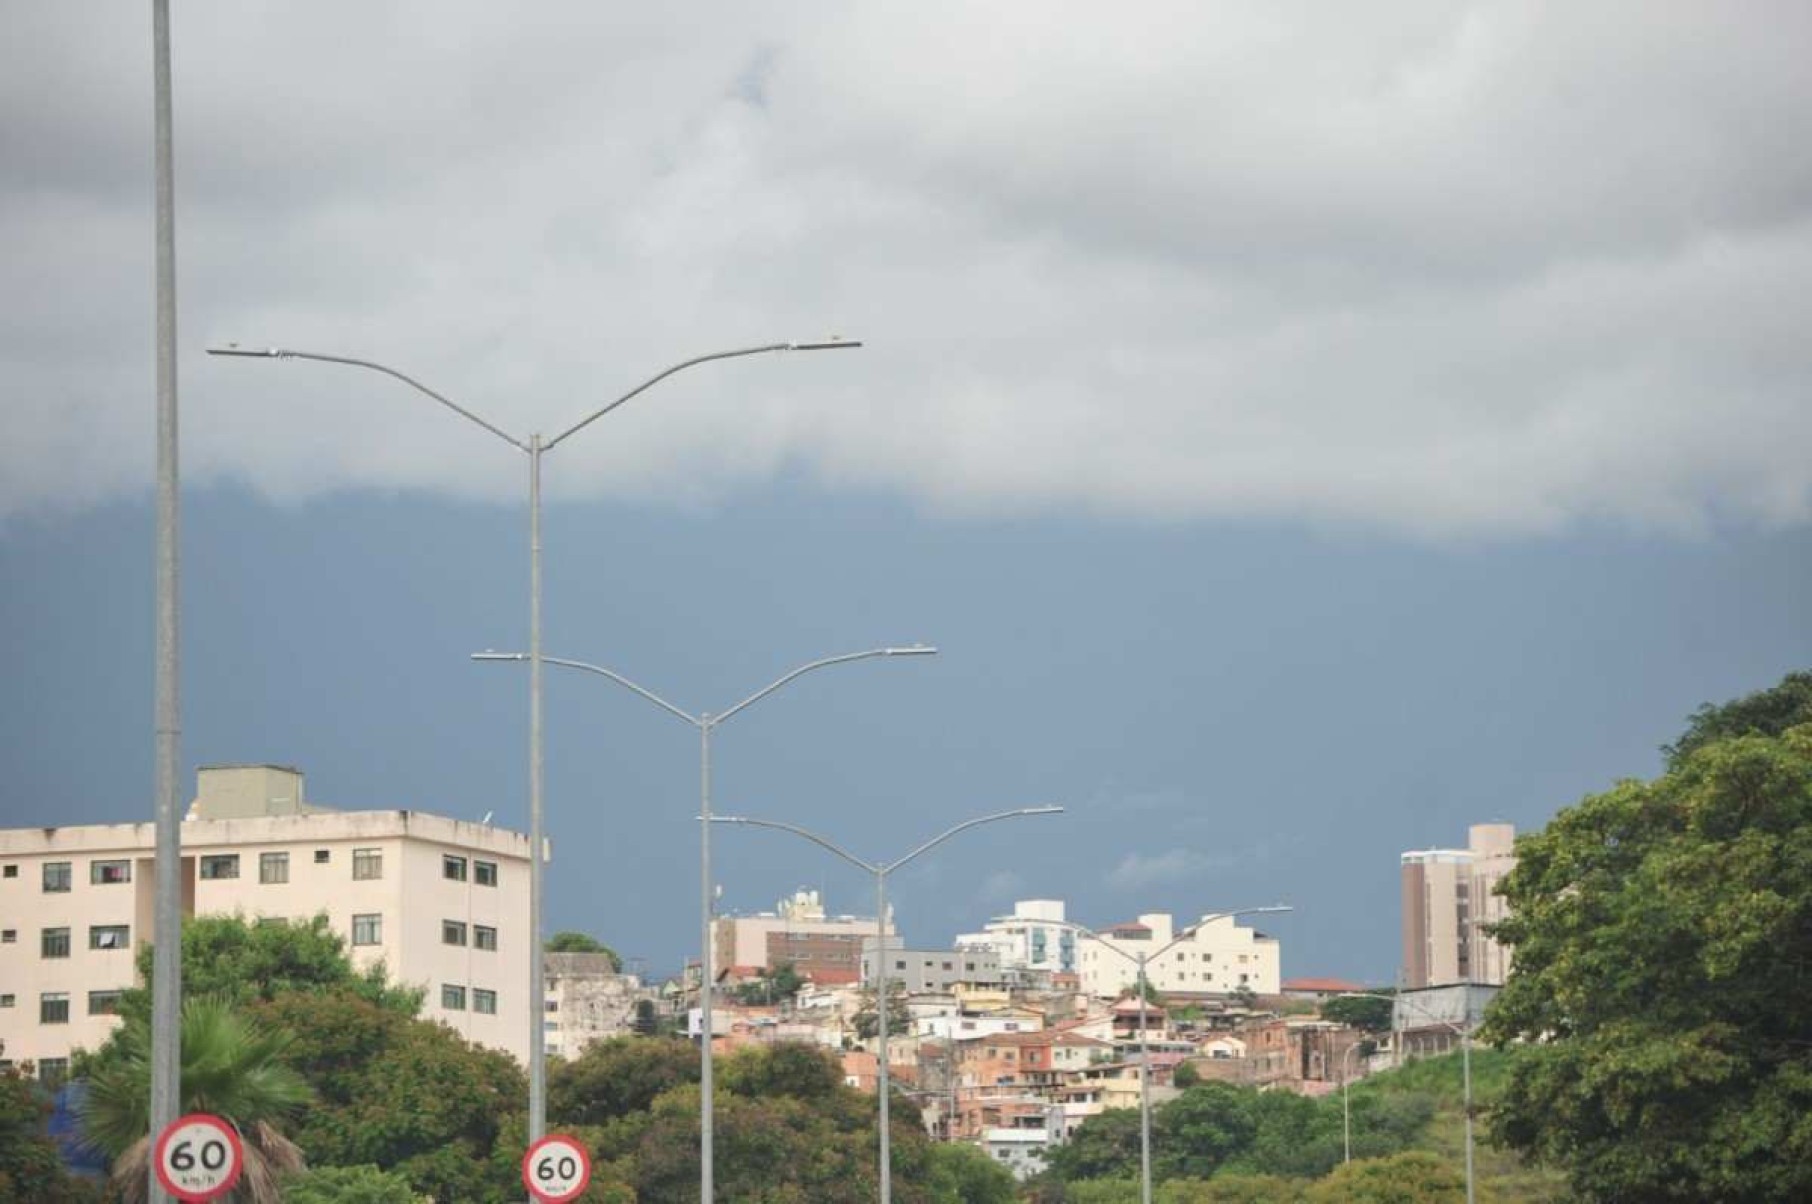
1450	269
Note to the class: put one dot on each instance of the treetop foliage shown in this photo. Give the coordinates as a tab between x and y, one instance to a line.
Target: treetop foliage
579	942
1661	933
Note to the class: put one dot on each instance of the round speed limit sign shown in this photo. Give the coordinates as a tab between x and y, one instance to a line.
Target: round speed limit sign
556	1169
198	1157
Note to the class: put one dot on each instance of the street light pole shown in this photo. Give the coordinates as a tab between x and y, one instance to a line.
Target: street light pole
881	869
534	446
1141	959
1346	1108
166	964
706	723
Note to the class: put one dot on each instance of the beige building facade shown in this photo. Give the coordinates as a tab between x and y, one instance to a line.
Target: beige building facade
1218	957
442	903
1449	896
798	931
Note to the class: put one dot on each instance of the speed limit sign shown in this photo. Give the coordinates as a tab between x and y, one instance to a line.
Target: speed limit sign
198	1157
556	1169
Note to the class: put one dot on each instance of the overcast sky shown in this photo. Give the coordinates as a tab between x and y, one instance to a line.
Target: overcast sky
1307	428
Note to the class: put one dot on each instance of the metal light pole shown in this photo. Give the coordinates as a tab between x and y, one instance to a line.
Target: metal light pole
1465	1035
706	723
881	869
1140	960
166	965
1346	1108
534	446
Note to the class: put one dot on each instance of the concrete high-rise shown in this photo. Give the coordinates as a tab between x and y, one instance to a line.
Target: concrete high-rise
1449	896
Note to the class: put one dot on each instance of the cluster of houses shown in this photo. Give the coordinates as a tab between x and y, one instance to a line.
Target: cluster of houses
1020	1033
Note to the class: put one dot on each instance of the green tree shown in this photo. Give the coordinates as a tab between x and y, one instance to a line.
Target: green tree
777	987
1660	933
960	1173
1366	1012
30	1167
1415	1177
1105	1146
612	1079
408	1096
899	1016
1185	1076
246	961
579	942
1202	1129
1767	712
348	1185
231	1066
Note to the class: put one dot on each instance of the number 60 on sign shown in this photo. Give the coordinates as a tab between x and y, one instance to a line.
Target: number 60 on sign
198	1157
556	1169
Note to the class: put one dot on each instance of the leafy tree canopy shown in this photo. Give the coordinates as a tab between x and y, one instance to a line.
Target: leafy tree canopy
245	961
579	942
30	1168
777	987
1413	1177
348	1185
1660	933
408	1096
1767	712
1359	1011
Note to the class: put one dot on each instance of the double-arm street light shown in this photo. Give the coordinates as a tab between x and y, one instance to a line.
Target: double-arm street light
534	446
705	722
881	869
1140	959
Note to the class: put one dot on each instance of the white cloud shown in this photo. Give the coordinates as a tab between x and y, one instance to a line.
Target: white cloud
1137	871
1452	269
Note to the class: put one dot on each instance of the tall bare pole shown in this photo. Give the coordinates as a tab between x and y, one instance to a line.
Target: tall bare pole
166	971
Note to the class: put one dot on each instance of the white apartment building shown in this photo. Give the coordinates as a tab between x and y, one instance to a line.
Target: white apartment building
1218	957
441	902
1034	937
1448	896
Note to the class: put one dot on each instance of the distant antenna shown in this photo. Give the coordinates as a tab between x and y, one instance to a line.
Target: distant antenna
487	817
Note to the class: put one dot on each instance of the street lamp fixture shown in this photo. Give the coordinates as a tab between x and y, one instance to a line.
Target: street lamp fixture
705	723
534	446
880	870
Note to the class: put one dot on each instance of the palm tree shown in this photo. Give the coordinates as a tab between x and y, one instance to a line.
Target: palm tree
231	1067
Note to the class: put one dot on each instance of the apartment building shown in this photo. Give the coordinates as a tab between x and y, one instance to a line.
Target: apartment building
1034	937
931	971
821	947
441	902
1217	957
1449	895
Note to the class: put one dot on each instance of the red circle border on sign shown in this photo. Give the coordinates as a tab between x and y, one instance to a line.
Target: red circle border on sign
214	1122
584	1162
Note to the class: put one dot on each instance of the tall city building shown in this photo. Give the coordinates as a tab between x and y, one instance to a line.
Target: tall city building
821	947
441	902
1034	937
1219	957
1449	895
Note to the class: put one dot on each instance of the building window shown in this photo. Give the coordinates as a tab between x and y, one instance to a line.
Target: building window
56	877
367	864
109	936
6	1000
104	1003
54	942
453	867
12	871
272	922
484	938
220	865
484	872
273	868
368	930
106	873
452	998
452	932
8	936
53	1007
53	1072
551	1005
323	856
484	1002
